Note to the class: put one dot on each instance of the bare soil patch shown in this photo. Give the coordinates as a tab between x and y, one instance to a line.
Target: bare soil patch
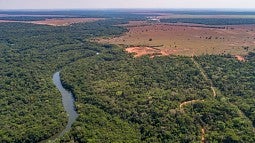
240	58
141	51
152	52
185	39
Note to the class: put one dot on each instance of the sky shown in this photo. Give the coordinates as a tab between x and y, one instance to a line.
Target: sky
108	4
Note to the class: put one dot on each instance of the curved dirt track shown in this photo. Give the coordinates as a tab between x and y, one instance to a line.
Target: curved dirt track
195	101
213	90
189	102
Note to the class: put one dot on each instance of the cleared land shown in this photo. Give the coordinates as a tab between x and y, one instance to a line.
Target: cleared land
186	39
59	21
240	58
141	51
65	21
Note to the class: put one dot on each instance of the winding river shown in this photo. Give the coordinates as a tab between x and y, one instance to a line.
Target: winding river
68	103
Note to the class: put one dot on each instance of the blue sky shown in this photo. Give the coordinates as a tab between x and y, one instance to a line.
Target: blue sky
92	4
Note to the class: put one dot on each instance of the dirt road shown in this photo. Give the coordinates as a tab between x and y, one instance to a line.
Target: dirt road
189	102
203	135
205	76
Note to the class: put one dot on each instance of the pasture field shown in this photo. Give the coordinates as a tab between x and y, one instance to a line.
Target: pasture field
65	21
188	39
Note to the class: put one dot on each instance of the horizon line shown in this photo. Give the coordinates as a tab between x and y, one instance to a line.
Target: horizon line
68	9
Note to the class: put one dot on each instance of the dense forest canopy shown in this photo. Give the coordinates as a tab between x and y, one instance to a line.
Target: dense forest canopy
31	107
212	21
41	15
148	93
119	98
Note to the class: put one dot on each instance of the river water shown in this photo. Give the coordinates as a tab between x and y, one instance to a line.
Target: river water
68	103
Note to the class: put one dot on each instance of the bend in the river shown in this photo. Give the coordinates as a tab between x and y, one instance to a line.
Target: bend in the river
68	103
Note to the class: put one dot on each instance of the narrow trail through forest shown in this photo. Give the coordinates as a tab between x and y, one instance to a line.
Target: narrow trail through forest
212	88
204	76
203	135
240	112
203	73
189	102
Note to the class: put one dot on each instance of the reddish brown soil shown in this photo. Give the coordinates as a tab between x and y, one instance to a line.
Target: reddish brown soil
141	51
240	58
185	39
